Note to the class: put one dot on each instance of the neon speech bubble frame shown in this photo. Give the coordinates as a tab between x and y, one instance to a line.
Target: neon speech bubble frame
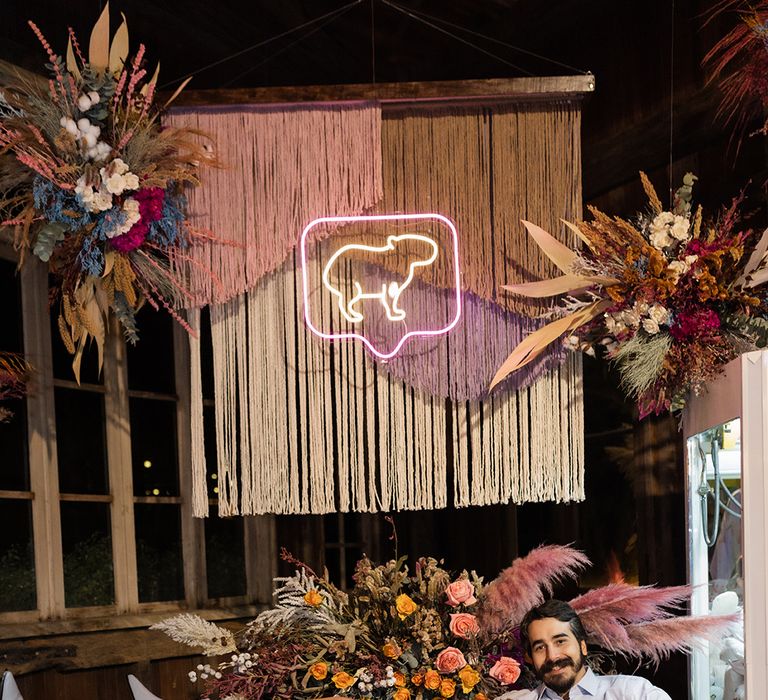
380	217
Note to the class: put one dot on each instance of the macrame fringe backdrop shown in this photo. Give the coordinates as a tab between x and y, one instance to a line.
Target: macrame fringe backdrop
282	167
320	429
305	426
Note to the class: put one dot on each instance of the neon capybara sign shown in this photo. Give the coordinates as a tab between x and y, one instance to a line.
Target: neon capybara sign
375	278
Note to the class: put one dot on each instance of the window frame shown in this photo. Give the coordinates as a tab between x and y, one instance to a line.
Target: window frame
260	552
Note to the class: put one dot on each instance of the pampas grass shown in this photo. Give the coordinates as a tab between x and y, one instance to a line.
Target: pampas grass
640	360
522	586
195	632
607	611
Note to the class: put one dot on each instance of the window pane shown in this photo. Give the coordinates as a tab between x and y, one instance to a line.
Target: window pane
14	469
11	327
158	552
153	447
17	561
225	556
80	441
211	461
150	361
206	354
87	544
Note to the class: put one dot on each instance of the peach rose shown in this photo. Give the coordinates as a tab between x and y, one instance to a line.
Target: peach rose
450	660
417	679
402	694
447	688
461	591
313	598
431	680
342	680
469	679
319	670
463	625
506	670
405	606
399	679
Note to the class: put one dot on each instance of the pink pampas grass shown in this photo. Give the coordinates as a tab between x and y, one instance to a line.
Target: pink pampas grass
606	611
521	586
658	639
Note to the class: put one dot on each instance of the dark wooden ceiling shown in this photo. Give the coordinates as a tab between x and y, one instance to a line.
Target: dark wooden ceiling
627	45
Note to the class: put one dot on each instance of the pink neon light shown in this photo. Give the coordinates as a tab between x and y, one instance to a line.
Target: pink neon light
382	217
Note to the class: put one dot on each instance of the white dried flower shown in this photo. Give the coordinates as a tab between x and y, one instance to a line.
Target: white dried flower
658	313
84	103
102	201
650	326
192	676
571	342
195	632
679	229
666	228
94	97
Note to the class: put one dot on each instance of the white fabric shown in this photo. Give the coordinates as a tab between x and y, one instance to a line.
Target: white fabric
138	690
10	689
599	687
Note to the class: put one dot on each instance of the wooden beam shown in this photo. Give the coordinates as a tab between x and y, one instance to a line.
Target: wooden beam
399	94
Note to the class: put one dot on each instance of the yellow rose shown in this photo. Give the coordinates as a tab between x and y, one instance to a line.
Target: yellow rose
447	688
391	650
469	679
313	598
432	680
402	694
417	679
399	679
405	606
342	680
319	671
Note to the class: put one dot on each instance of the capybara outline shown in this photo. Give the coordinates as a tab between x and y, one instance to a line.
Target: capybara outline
389	295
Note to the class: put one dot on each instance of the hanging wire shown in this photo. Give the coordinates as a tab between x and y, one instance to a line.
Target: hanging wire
437	28
671	104
327	16
338	13
423	15
373	44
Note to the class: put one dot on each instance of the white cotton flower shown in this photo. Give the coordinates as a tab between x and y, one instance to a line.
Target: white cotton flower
84	103
131	181
650	326
94	97
84	125
102	201
658	314
115	184
679	229
89	140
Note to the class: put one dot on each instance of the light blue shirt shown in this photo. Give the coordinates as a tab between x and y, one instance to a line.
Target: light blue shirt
598	687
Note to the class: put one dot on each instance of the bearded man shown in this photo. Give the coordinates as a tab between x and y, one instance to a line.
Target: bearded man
556	647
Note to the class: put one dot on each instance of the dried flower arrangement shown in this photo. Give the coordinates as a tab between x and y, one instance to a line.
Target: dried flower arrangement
424	635
670	298
14	375
92	184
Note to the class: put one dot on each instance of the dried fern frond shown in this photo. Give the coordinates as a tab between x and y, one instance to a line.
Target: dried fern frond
195	632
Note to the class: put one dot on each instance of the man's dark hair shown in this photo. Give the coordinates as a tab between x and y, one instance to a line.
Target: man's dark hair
558	610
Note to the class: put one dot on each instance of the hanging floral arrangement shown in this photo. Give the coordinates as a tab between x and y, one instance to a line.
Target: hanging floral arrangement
92	184
669	298
14	376
426	634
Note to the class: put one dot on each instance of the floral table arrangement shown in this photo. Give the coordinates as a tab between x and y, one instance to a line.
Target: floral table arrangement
422	635
92	184
669	298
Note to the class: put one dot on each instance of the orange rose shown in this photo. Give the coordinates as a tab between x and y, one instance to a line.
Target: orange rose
469	679
391	650
480	696
342	680
313	598
319	671
506	670
402	694
432	680
405	606
417	679
447	688
399	679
